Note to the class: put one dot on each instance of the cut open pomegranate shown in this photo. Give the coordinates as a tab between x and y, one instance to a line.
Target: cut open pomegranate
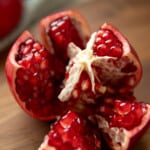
122	122
71	132
105	66
110	62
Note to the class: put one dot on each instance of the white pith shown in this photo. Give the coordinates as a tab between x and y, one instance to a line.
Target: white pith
120	137
82	60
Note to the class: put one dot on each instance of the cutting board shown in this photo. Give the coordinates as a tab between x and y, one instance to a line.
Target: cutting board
18	131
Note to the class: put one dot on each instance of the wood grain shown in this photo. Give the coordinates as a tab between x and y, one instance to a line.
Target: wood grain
132	17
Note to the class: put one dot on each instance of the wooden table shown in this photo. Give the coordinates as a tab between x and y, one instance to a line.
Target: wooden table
132	17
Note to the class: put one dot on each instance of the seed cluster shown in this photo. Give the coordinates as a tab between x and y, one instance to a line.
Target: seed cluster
107	44
34	82
123	114
73	132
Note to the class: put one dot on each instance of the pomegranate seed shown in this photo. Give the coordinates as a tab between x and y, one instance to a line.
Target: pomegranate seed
107	44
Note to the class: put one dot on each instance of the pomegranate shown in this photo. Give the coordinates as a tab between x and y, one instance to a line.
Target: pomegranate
10	15
111	65
122	122
99	67
71	132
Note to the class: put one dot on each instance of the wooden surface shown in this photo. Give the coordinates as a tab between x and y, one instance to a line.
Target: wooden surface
18	131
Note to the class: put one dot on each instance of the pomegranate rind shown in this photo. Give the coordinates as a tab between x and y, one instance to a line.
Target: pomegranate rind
78	20
121	138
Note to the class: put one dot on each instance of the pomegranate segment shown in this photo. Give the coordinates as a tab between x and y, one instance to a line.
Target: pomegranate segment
71	132
62	31
121	61
31	77
33	81
122	122
59	29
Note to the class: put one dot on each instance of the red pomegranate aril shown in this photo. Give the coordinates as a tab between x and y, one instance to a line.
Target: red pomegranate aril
62	31
107	44
123	107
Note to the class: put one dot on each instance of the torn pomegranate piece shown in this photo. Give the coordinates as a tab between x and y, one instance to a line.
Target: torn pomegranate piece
121	70
59	29
31	76
122	122
111	64
71	132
